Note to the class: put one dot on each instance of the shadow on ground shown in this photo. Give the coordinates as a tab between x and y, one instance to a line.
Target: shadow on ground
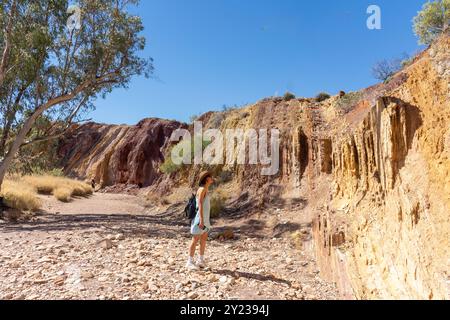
166	225
254	276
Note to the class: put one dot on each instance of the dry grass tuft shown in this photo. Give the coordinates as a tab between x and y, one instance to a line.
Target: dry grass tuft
21	193
50	184
20	196
63	194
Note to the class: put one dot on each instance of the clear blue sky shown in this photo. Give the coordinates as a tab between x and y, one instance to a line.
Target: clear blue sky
210	53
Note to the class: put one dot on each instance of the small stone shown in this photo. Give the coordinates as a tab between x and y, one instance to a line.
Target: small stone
40	281
151	286
223	279
45	260
8	296
119	237
192	295
106	244
59	281
296	286
300	296
141	263
87	275
178	287
212	278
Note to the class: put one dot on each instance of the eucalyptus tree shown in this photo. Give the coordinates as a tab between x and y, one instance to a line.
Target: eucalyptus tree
58	60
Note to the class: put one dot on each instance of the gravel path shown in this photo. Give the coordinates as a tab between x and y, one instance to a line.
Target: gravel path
111	247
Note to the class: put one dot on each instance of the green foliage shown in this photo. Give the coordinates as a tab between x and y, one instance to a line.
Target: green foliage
53	74
56	172
432	21
349	100
217	205
288	96
169	167
407	62
322	97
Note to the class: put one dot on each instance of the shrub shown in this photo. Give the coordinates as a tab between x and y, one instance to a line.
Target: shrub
349	100
20	196
54	172
48	184
322	97
432	21
78	188
407	62
42	184
288	96
217	205
21	193
168	167
63	194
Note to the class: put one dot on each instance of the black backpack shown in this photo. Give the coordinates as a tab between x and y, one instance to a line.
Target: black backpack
191	209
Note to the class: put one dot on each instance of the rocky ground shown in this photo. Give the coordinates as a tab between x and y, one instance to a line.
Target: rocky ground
128	252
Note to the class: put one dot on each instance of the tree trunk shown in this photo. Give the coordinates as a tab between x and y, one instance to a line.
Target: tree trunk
10	115
20	138
6	51
4	165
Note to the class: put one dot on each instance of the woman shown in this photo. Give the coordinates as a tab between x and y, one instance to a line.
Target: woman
201	224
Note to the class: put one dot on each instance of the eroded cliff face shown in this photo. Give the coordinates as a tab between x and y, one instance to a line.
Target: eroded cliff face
373	168
385	234
111	155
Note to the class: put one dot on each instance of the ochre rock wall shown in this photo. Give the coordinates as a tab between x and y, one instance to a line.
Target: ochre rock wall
386	232
113	155
374	170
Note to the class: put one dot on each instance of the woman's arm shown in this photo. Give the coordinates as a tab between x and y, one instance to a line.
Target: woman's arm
200	206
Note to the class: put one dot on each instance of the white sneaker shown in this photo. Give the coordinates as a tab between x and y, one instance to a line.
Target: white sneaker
201	263
191	266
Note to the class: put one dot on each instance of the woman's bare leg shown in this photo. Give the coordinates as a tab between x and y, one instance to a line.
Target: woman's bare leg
203	239
193	246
